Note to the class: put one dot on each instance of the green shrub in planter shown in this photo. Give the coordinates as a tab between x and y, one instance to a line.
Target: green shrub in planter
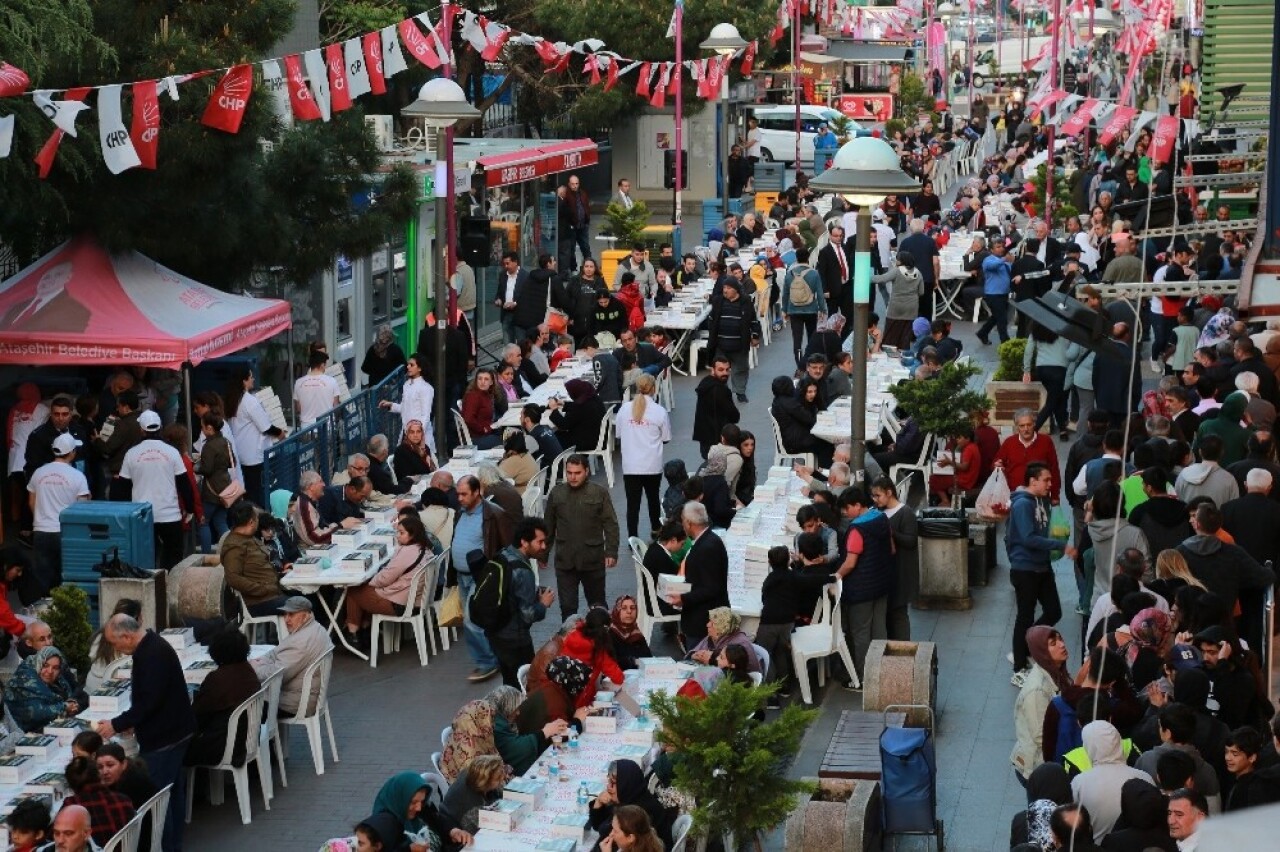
1011	352
68	618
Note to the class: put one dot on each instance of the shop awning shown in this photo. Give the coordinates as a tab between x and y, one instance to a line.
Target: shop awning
508	161
850	50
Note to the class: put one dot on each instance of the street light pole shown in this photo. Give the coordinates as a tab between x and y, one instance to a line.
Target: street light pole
1050	127
861	318
677	216
724	40
795	73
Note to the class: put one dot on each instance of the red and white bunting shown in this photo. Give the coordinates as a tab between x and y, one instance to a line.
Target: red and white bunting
372	45
1080	119
318	77
49	151
611	76
339	93
357	73
300	97
229	100
642	85
6	135
1164	139
117	147
749	58
13	80
393	61
418	45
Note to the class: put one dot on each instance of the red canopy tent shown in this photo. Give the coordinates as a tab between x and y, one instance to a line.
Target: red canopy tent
79	304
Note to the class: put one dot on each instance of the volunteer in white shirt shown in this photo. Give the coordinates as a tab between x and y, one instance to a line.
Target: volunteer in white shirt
643	428
250	428
158	475
315	393
752	142
53	487
417	401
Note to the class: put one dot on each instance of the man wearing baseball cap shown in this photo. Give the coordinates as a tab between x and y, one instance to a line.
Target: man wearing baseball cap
52	488
307	642
154	472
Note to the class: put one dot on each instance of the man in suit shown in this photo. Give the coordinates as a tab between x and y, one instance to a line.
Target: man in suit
511	286
834	269
623	196
706	569
52	308
1184	422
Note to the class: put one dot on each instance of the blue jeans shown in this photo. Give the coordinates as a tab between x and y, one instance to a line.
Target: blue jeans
166	768
214	526
477	645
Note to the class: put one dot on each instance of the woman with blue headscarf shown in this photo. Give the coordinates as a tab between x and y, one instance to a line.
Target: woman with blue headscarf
424	827
37	694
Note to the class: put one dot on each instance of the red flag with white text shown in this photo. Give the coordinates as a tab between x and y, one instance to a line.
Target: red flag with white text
300	97
226	107
339	91
145	129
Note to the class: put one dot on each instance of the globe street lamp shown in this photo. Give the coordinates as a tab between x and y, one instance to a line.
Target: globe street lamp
441	104
864	171
725	40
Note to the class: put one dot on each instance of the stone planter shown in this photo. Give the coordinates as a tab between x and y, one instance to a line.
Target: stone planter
898	673
1011	396
841	816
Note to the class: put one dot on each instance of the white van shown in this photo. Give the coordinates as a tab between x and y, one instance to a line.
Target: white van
778	131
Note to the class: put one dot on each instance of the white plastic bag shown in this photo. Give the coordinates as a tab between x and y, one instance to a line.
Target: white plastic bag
993	500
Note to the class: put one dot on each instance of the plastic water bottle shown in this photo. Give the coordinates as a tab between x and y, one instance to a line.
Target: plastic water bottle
644	712
553	769
573	740
584	797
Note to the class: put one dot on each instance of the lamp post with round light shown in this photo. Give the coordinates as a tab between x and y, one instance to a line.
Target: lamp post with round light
864	171
441	104
725	40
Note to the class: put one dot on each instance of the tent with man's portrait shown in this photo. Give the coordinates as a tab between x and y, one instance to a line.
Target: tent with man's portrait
80	304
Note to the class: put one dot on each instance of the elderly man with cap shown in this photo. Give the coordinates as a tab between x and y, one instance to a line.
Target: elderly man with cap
306	642
155	473
159	714
53	487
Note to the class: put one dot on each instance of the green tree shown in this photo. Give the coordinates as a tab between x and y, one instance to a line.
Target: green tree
1062	208
216	207
941	406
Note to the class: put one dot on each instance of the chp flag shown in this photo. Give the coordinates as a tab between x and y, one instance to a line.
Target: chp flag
226	107
117	146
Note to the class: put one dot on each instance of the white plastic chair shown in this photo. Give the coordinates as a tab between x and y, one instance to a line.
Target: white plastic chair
638	548
680	832
756	678
250	713
819	640
388	628
923	465
530	500
604	446
460	426
556	473
700	341
903	488
522	677
126	839
436	757
763	656
445	733
270	734
249	623
780	454
442	570
155	810
321	668
647	602
437	787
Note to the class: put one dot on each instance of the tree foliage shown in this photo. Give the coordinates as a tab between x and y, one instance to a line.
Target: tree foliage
734	767
941	406
218	205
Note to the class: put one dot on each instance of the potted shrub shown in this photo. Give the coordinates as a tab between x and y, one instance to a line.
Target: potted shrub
733	767
626	225
68	618
941	406
1006	387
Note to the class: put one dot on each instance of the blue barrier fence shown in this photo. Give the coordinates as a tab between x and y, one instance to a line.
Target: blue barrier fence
324	445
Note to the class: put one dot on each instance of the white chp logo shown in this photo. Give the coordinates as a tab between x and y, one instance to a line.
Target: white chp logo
235	92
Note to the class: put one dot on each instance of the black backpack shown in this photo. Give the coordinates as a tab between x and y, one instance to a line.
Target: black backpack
490	602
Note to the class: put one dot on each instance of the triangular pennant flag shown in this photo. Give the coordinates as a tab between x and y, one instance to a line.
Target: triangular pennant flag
547	51
300	98
611	75
393	61
145	128
671	25
662	73
1080	119
6	135
357	74
472	31
62	113
13	81
496	36
642	85
418	45
702	73
1119	119
592	66
229	100
372	44
318	77
749	58
117	147
339	93
441	33
45	157
674	83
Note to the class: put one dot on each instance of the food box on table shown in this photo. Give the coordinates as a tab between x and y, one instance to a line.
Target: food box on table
17	768
48	783
672	584
65	730
601	720
110	697
8	807
503	815
179	637
385	536
529	791
349	538
307	566
358	561
658	668
638	753
570	827
556	844
42	746
640	732
198	671
320	551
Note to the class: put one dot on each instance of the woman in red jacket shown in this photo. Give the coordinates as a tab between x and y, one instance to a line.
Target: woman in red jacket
480	409
590	644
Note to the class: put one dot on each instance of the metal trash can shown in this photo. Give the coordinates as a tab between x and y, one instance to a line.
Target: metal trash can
982	552
944	560
768	176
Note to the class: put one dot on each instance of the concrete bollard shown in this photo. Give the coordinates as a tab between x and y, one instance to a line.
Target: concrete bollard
901	673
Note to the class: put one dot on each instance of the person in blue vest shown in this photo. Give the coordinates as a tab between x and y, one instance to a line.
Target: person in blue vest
868	573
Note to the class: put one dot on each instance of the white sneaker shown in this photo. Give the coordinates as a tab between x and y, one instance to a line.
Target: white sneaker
1155	367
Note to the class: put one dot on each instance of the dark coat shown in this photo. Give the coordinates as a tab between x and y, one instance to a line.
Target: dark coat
578	423
225	689
795	421
378	367
1254	521
715	408
40	444
833	282
160	712
531	301
706	569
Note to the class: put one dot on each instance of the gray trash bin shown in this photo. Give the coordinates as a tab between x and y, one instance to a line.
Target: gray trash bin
768	176
944	560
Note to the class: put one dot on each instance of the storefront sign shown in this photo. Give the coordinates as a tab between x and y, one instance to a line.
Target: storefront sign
867	107
520	166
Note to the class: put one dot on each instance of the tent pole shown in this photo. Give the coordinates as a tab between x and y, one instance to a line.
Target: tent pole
186	396
288	377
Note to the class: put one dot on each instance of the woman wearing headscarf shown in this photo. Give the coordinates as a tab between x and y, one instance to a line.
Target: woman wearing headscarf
383	357
577	423
472	736
906	285
826	338
1047	788
724	628
629	643
716	495
1152	639
555	696
37	693
1047	678
517	749
625	785
405	797
1217	329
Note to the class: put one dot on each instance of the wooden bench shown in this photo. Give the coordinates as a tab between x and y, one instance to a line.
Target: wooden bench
854	751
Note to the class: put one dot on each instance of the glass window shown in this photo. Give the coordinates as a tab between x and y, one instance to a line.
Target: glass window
344	318
378	296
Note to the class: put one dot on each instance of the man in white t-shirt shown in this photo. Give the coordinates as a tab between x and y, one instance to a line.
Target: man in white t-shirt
752	141
316	392
53	487
156	474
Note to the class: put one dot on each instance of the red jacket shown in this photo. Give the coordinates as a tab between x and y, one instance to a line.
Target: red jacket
477	412
1016	457
631	297
580	647
9	622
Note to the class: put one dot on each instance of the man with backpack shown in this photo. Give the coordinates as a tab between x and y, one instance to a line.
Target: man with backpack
477	525
802	300
507	600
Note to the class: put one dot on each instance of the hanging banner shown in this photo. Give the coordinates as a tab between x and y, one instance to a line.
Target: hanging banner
418	45
372	44
318	76
117	147
145	128
642	85
276	88
6	135
393	61
357	76
611	76
300	99
339	94
663	75
1143	119
13	80
1164	139
49	151
748	59
1118	121
62	113
229	100
1076	124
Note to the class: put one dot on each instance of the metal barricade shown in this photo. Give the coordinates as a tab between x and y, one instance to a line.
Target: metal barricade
324	445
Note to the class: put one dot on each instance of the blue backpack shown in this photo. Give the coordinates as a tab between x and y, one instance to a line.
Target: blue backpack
1070	734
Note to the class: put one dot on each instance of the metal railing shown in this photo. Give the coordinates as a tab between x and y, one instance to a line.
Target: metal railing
324	445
